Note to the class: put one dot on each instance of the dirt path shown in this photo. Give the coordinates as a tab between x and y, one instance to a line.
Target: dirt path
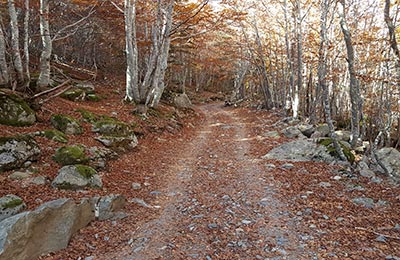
218	202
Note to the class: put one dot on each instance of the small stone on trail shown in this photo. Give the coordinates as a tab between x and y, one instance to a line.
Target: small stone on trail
288	166
212	226
19	175
381	239
325	184
337	178
246	222
367	173
366	202
136	186
270	165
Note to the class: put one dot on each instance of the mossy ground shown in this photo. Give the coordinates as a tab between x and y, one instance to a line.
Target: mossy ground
86	171
55	135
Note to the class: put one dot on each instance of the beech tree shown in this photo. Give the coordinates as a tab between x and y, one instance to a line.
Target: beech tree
4	76
148	92
15	51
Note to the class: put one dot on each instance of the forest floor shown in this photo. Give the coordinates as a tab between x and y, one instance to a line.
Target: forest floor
209	195
206	193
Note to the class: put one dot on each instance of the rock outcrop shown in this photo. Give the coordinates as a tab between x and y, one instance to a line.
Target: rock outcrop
15	112
300	150
66	124
16	150
390	158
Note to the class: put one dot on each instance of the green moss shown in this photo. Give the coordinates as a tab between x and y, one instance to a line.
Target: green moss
68	155
12	203
93	97
328	142
11	109
55	135
111	127
88	116
72	94
63	122
85	171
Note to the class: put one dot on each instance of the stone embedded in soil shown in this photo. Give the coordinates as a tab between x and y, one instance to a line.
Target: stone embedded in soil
365	202
75	177
19	175
10	205
66	124
136	186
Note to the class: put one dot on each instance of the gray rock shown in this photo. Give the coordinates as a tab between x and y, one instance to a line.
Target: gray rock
39	180
19	175
287	166
141	202
292	132
272	134
108	206
343	135
16	150
390	158
367	173
300	150
306	130
99	156
47	229
323	130
182	101
325	184
77	177
119	143
66	124
136	186
365	202
10	205
390	257
14	111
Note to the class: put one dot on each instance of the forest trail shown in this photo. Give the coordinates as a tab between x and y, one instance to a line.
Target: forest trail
219	200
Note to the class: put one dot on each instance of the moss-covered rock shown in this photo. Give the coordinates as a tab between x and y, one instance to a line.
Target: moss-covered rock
111	127
73	94
93	97
10	205
68	155
14	111
66	124
16	150
328	142
119	144
75	177
55	135
88	116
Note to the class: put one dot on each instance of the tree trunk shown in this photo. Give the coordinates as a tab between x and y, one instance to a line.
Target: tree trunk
44	77
288	58
17	62
299	85
322	77
26	42
355	97
392	39
132	79
158	84
4	76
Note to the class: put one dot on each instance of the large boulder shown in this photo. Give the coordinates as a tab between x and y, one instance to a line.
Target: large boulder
10	205
300	150
16	150
15	112
66	124
49	228
76	177
182	101
390	158
68	155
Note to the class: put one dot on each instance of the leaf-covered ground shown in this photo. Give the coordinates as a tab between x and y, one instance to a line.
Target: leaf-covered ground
210	195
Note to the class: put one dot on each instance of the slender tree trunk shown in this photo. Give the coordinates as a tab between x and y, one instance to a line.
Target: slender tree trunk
132	79
17	62
299	85
392	39
26	42
322	77
44	77
289	58
4	76
355	97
